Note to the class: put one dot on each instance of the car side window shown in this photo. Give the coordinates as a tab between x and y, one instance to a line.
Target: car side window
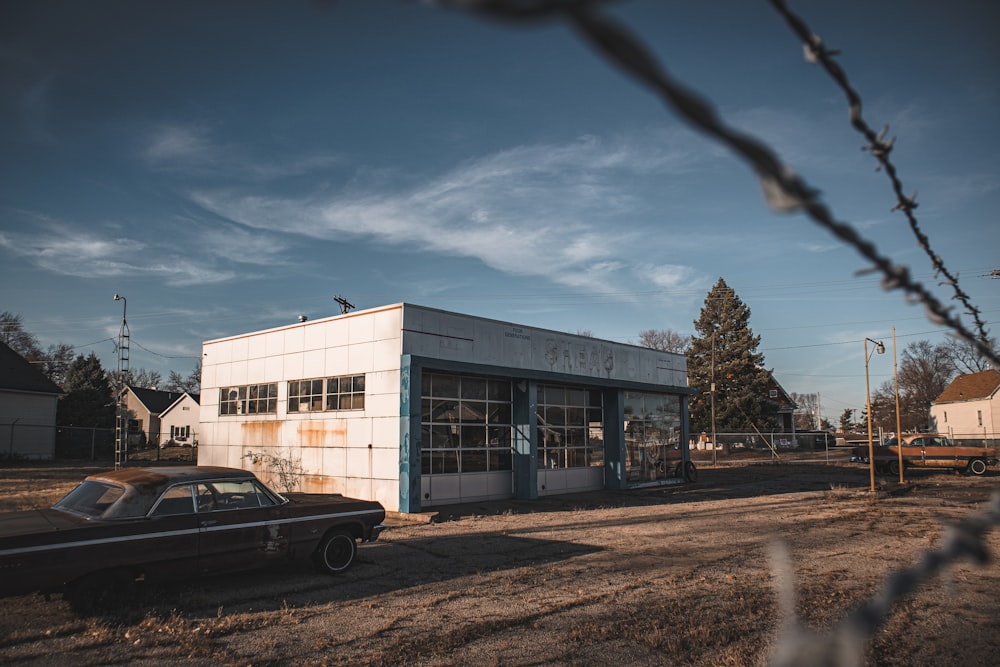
917	442
243	494
175	500
206	497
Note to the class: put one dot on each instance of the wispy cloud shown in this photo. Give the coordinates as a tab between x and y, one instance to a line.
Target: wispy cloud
193	150
564	212
64	250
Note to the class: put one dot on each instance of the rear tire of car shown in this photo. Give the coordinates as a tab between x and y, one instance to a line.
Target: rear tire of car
977	467
690	472
336	552
892	468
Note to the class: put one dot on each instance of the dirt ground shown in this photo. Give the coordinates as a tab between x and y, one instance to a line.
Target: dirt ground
678	575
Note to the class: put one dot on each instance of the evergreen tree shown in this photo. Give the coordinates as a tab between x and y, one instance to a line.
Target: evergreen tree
88	400
741	381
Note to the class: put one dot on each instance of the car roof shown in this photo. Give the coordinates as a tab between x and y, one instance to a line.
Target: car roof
159	477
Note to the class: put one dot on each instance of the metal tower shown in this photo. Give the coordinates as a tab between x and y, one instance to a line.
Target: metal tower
121	406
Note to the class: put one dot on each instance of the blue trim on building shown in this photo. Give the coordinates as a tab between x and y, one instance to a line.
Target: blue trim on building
410	380
525	444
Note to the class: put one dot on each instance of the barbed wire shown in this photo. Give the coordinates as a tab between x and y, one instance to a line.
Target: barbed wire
880	147
845	645
784	190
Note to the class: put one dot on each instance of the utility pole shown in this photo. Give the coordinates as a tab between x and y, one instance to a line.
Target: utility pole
345	305
714	450
121	409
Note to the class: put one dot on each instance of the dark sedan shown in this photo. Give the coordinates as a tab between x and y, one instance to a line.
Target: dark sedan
133	524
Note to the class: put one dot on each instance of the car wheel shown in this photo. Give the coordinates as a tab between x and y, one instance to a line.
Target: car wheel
892	467
336	552
690	472
977	467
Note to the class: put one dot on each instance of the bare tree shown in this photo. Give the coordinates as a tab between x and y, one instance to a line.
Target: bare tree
924	372
665	340
966	357
807	405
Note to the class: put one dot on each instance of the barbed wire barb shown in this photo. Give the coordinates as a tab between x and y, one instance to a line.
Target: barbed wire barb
816	53
783	188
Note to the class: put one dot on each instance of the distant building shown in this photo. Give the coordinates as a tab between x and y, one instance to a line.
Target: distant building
417	407
969	408
161	417
28	402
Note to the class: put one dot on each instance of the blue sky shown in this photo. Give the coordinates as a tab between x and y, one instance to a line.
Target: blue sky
228	166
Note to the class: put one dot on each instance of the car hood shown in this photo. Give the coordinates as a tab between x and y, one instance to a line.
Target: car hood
31	522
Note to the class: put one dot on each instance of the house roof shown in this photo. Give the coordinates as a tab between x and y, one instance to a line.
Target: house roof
16	374
157	401
971	387
180	397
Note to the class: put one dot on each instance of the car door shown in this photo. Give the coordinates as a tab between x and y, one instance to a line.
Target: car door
172	539
236	531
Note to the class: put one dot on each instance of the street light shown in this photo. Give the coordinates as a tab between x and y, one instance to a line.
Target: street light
880	348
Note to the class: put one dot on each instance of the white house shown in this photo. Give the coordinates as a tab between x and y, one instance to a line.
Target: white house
969	408
28	402
179	423
416	407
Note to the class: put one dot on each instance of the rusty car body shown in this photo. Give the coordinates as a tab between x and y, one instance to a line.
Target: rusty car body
926	450
133	524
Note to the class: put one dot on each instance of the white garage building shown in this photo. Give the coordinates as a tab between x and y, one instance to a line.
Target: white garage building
417	407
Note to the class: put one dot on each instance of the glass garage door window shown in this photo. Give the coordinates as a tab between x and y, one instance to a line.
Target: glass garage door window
652	436
570	427
465	423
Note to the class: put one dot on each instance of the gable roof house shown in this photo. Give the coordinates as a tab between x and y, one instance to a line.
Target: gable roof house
969	408
157	417
28	402
784	405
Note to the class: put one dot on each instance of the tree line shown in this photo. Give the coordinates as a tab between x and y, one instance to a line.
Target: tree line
89	389
724	351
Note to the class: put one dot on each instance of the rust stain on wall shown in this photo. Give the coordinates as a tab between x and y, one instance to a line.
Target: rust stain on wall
322	434
261	434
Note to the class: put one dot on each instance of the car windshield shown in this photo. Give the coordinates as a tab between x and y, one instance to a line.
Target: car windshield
90	499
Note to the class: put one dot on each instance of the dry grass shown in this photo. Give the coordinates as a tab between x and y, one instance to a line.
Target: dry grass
661	576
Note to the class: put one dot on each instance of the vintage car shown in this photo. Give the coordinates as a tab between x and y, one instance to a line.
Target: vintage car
927	450
132	524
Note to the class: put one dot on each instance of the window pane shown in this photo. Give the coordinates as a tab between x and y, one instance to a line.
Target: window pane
445	386
333	385
555	416
500	413
474	388
473	412
499	390
555	395
473	436
473	460
359	383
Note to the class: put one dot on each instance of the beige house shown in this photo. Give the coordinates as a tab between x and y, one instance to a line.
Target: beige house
28	402
969	408
161	417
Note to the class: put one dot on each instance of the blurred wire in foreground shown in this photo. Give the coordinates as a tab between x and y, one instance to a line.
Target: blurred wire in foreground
783	189
879	147
845	645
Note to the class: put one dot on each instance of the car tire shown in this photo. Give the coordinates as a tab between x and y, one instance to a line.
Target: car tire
892	468
336	552
977	467
690	472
